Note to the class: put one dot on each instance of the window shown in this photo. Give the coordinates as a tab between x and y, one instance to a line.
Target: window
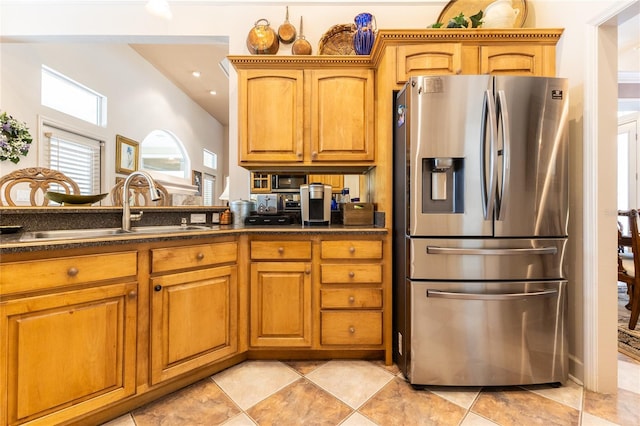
209	159
76	156
70	97
208	189
162	151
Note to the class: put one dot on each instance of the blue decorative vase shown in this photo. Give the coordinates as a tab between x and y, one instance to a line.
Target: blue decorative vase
365	33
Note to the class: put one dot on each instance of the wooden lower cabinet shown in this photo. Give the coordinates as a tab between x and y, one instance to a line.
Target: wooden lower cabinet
65	354
193	320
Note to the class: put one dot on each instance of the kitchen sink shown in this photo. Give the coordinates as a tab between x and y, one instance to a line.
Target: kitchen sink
78	234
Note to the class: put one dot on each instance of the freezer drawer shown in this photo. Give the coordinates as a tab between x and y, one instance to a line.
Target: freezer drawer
485	334
486	259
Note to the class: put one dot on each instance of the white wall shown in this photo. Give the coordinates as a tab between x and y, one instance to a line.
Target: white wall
236	19
140	99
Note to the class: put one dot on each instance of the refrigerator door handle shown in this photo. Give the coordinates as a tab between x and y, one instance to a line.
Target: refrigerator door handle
503	114
488	192
475	296
492	252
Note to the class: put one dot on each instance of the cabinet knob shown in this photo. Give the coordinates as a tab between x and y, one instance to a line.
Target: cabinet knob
73	271
158	287
200	256
132	293
307	271
352	329
314	154
352	249
352	299
352	274
280	250
299	155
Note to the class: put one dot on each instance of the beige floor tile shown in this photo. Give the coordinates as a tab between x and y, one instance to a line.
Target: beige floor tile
300	403
472	419
399	404
622	408
202	403
357	419
304	367
462	396
252	381
352	381
240	420
516	406
569	394
629	376
125	420
591	420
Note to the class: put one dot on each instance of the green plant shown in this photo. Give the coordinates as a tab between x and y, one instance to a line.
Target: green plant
461	21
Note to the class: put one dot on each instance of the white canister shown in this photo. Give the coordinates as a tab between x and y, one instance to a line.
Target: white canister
500	14
241	209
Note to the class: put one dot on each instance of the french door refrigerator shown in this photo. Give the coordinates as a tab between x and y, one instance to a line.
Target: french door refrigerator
480	230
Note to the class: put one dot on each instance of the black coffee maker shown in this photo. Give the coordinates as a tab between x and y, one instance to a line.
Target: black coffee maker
315	204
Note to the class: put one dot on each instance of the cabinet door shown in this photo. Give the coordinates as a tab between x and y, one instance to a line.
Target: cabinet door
428	58
336	181
280	304
342	115
193	320
260	183
66	354
511	60
271	119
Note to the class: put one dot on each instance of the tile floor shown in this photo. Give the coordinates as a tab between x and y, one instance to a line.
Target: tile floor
365	393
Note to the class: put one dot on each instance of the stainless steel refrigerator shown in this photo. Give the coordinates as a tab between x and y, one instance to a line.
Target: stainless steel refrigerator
480	230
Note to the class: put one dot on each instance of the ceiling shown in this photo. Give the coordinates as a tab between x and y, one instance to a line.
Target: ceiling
178	61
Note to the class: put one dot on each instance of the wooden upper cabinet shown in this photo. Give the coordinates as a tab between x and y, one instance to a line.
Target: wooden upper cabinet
515	60
271	116
342	110
431	58
298	113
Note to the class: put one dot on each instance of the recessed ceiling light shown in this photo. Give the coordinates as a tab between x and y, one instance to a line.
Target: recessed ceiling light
212	92
196	73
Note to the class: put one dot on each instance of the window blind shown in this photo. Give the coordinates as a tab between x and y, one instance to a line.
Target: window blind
77	156
208	185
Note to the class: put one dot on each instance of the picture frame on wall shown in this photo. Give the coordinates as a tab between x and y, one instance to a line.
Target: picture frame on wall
196	180
127	151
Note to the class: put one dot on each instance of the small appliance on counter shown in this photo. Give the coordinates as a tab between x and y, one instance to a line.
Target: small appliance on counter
315	204
241	209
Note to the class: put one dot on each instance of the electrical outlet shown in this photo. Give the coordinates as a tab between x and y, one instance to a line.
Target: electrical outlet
198	218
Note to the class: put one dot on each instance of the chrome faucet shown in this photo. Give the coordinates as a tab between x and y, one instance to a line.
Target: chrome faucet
127	217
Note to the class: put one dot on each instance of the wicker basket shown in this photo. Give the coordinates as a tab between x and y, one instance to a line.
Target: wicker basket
338	40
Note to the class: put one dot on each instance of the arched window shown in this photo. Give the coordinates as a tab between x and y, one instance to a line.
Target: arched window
161	151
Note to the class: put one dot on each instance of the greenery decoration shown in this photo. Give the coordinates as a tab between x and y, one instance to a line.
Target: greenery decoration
15	139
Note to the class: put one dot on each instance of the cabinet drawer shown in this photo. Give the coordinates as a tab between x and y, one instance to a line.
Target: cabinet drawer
351	249
16	277
168	259
353	273
351	328
351	298
278	250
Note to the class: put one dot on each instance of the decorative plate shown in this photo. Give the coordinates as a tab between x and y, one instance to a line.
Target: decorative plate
73	199
471	7
338	40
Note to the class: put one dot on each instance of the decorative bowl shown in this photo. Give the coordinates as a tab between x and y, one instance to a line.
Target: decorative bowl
73	199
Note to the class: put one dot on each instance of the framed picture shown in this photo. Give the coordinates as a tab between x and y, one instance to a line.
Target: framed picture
126	155
196	179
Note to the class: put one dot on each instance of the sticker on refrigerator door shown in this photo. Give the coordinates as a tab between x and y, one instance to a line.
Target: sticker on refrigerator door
401	115
556	94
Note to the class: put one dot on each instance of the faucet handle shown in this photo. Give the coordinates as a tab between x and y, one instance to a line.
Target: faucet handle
136	217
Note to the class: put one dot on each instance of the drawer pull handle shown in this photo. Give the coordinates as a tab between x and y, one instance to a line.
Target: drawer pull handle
352	329
280	250
73	271
352	299
158	287
352	274
352	249
200	256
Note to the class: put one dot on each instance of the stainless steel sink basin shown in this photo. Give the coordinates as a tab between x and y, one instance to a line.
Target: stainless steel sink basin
78	234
